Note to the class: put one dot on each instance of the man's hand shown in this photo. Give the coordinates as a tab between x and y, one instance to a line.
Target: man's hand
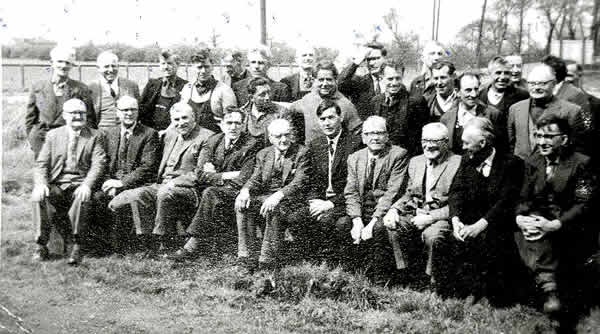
83	193
361	54
355	232
547	225
111	184
242	201
421	221
472	231
230	175
391	218
271	203
209	168
457	227
367	232
318	207
530	227
39	193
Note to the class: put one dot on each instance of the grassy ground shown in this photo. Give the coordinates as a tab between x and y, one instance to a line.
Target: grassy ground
135	295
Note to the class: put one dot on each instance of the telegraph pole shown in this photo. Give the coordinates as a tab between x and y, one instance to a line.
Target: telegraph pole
263	22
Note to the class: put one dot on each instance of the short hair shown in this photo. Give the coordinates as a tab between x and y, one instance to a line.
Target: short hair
430	44
558	66
436	126
377	46
276	123
61	52
181	106
255	82
548	119
166	54
106	56
263	51
327	65
443	63
396	64
126	99
237	55
375	120
73	104
498	60
202	56
326	104
485	127
467	74
233	109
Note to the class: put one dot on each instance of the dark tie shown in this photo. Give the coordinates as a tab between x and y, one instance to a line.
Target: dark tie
73	150
331	148
550	169
279	162
112	93
124	147
371	174
377	87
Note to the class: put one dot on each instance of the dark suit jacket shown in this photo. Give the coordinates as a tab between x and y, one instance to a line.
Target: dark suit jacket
405	118
390	170
188	155
569	92
473	196
512	95
417	87
293	82
294	174
91	157
280	92
318	157
126	87
143	155
518	125
359	89
150	97
239	158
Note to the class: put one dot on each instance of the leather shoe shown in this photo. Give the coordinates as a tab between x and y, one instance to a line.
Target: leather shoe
182	254
552	303
41	253
75	257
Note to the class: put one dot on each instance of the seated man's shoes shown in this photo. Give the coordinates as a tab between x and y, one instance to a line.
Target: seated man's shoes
76	255
183	254
552	303
41	253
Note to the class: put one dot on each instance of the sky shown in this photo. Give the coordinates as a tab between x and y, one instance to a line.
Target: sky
332	23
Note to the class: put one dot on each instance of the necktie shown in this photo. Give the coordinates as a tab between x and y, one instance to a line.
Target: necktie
279	163
124	147
371	173
550	169
331	149
112	93
307	82
377	87
73	149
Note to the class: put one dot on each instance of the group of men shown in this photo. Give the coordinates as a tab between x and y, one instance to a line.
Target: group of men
446	178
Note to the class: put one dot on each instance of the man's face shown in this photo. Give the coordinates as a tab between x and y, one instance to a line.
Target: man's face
375	136
232	66
573	75
330	122
183	120
203	70
469	88
76	118
326	82
257	64
472	141
61	67
127	113
550	140
432	54
262	97
434	144
108	67
281	137
392	79
444	82
540	83
516	67
168	66
231	125
306	59
374	61
500	76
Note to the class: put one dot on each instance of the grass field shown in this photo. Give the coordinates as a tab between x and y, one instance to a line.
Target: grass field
131	294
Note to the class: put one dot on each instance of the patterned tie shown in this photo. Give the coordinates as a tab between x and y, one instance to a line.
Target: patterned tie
73	149
377	86
550	169
124	147
371	173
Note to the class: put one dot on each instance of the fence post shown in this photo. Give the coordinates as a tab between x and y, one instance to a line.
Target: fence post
127	71
23	76
148	73
187	73
80	73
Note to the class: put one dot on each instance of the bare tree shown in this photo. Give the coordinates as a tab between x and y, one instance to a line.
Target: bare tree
478	50
595	29
553	10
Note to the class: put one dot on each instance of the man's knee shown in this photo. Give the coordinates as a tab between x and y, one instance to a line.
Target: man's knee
434	235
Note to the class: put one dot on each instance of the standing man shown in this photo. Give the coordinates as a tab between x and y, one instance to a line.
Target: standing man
325	88
68	168
276	185
234	68
361	89
156	208
500	93
207	96
161	93
423	84
259	60
516	71
301	83
443	76
419	219
551	214
109	88
46	98
565	90
524	115
404	114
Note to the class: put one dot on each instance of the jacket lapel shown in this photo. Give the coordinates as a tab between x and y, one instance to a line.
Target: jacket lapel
169	144
114	140
134	143
562	173
380	163
361	169
84	137
288	162
50	100
339	150
438	171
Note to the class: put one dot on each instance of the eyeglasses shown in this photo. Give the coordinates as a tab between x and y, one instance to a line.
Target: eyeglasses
129	109
259	62
372	58
539	83
433	141
549	136
375	133
307	55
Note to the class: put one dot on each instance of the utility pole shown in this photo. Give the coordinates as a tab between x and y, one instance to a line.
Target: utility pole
263	22
437	20
435	2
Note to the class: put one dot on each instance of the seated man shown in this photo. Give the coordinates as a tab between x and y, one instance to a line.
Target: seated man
277	183
551	211
133	150
482	200
156	208
375	176
421	215
314	223
224	165
68	168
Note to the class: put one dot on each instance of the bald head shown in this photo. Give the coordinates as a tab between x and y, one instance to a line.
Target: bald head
541	81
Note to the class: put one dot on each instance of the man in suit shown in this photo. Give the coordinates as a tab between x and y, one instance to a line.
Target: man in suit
108	88
161	93
482	200
300	83
467	108
403	113
523	115
224	165
443	76
500	93
156	208
563	89
361	89
325	87
133	150
46	99
259	60
420	217
375	176
313	225
234	69
276	185
423	85
516	71
551	214
68	169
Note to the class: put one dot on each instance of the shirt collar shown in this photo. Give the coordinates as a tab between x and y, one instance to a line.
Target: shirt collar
552	162
114	85
450	99
557	87
335	139
130	129
489	159
56	80
74	133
